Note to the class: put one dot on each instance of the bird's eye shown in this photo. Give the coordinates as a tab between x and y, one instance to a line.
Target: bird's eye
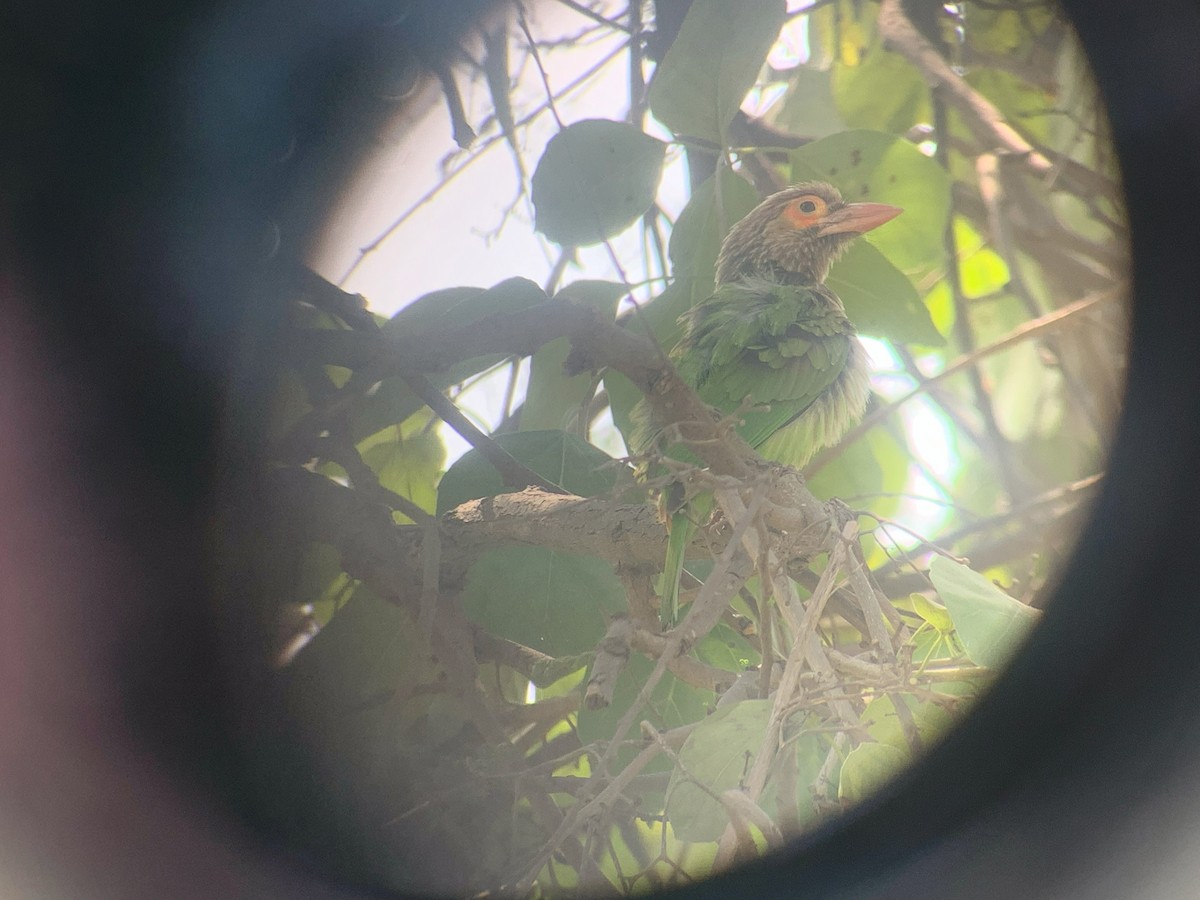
805	211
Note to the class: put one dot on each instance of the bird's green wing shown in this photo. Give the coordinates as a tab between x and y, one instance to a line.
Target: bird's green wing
785	348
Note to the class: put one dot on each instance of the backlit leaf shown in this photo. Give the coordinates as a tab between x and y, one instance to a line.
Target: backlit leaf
712	64
594	179
990	624
883	168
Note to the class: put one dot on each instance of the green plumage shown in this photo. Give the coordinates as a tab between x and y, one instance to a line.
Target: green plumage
788	348
773	342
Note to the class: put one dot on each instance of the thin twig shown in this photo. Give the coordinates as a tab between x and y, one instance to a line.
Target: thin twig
593	15
1047	323
537	61
789	684
514	474
713	594
868	602
637	82
474	157
980	114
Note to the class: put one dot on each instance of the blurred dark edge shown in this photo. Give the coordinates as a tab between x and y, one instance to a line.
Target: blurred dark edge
151	155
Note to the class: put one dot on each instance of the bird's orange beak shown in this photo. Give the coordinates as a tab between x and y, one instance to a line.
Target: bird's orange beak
858	218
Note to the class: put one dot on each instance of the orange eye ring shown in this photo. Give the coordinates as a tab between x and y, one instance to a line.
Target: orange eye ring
805	211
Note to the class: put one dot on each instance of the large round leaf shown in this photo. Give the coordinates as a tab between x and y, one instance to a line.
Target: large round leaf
594	179
553	602
867	768
719	754
989	623
879	299
713	62
883	168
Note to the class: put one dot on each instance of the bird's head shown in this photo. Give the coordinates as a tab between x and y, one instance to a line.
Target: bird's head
795	235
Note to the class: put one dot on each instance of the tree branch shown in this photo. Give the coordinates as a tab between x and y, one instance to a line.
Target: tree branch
980	115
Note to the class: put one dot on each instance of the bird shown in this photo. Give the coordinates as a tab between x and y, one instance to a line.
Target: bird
771	344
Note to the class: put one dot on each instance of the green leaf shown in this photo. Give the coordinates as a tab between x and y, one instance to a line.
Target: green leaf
718	753
460	306
990	624
1009	33
718	204
933	613
553	602
320	580
808	109
289	404
366	650
726	649
882	723
983	271
594	179
877	463
410	463
712	64
867	768
1026	107
879	300
880	89
391	401
659	318
672	703
1023	389
883	168
552	399
562	459
808	738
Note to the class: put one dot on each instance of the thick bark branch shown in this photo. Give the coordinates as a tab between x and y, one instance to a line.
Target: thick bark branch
390	555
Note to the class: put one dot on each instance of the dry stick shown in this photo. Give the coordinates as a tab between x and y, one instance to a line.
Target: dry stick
514	474
712	596
999	445
981	116
1054	495
861	669
868	600
637	82
783	586
787	601
789	684
766	646
584	811
744	812
537	61
987	170
1050	248
685	668
908	725
1046	323
822	785
612	656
